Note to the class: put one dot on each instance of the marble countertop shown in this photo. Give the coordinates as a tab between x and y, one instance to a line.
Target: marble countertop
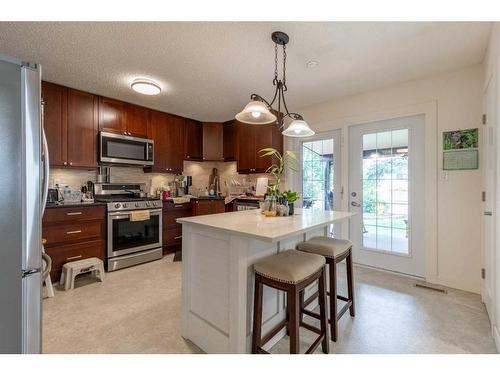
253	224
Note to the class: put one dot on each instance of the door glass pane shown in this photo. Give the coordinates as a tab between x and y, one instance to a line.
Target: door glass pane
317	174
385	191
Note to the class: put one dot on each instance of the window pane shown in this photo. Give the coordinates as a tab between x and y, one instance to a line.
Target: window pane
385	190
370	236
400	241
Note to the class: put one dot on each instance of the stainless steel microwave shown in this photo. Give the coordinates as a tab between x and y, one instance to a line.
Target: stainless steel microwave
124	149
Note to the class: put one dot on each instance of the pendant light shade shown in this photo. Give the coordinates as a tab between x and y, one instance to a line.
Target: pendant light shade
298	128
257	113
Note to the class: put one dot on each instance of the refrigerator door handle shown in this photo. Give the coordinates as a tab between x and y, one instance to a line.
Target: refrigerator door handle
45	164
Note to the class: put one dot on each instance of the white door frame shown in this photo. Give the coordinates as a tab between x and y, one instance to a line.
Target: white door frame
413	263
429	109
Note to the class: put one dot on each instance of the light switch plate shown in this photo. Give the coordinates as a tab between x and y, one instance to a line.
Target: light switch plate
444	176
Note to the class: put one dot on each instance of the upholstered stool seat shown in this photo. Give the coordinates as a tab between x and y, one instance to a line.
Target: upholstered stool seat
291	271
290	266
335	250
326	246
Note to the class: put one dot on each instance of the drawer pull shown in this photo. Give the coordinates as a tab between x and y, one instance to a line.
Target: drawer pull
73	258
73	213
74	231
178	205
177	238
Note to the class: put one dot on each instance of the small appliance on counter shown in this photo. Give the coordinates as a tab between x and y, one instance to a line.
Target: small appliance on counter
52	196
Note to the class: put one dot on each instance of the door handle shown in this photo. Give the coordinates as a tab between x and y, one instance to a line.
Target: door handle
488	213
74	231
355	204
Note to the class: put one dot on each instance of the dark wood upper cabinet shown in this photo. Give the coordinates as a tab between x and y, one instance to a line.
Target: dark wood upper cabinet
193	144
263	139
213	134
158	132
112	116
136	120
82	129
70	123
229	141
249	139
175	147
54	121
168	132
246	157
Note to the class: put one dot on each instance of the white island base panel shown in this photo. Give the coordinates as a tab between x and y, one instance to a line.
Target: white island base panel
218	279
218	285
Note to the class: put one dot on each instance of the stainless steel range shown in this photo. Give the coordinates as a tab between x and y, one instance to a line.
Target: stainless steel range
134	224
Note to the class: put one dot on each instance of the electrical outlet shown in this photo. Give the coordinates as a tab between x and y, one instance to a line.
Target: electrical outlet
444	176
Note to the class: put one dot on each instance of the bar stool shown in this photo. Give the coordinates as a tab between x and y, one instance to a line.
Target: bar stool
334	250
290	271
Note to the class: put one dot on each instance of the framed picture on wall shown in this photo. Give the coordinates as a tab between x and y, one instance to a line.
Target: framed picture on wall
460	149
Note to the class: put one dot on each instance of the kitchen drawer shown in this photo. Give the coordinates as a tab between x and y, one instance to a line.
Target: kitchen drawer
54	215
69	253
172	236
70	232
171	206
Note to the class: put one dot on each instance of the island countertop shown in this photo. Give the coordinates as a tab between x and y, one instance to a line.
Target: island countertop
253	224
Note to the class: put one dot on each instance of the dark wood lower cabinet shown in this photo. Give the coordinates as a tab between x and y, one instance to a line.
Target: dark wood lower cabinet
73	234
172	230
208	207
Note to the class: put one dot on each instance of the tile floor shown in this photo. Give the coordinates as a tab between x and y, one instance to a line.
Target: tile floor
137	310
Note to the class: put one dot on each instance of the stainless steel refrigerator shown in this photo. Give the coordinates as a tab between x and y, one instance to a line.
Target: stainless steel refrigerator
23	186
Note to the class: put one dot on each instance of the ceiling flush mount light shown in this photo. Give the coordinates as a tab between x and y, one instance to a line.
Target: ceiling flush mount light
145	86
259	111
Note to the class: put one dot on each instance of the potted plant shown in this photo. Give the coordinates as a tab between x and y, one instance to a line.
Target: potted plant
290	197
277	169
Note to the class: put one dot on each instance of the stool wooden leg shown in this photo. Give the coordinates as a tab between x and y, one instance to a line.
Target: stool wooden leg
323	314
350	283
301	303
333	300
293	322
257	315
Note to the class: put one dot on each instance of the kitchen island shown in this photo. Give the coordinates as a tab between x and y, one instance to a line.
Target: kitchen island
218	253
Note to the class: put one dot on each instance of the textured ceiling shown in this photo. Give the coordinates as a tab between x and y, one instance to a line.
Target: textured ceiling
208	70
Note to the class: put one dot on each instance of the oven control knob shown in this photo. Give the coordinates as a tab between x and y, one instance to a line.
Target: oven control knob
124	205
137	204
154	204
148	204
118	205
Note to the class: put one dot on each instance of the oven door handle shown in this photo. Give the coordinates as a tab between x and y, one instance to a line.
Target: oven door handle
126	214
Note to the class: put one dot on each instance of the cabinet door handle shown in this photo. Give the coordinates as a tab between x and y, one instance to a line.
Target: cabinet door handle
73	213
178	237
74	231
65	163
73	258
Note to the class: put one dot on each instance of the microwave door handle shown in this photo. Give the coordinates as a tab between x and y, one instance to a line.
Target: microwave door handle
147	151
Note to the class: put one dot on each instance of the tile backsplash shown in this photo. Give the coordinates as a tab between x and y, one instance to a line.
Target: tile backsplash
200	171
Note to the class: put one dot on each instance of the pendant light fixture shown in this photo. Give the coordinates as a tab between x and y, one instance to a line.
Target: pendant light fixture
259	111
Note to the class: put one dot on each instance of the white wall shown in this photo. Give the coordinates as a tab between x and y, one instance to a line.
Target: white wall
453	101
492	69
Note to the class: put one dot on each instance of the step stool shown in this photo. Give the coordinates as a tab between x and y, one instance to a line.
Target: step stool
72	269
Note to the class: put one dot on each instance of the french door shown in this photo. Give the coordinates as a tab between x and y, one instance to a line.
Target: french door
320	172
386	190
